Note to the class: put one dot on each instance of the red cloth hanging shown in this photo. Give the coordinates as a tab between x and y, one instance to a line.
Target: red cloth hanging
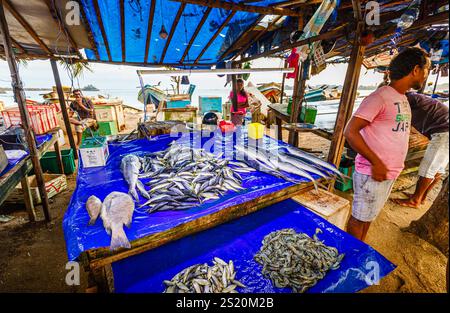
293	61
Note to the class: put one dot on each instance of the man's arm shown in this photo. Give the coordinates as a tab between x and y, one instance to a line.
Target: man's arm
356	141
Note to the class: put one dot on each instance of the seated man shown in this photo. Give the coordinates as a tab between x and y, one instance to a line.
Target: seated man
81	114
430	118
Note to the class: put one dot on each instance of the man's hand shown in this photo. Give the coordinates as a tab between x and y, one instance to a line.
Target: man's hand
379	171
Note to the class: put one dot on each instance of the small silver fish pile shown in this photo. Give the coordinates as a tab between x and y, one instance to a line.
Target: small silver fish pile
295	260
182	177
202	278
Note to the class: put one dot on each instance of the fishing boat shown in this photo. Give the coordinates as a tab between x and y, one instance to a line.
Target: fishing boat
316	94
272	91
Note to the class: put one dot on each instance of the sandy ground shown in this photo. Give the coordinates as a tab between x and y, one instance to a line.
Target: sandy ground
33	256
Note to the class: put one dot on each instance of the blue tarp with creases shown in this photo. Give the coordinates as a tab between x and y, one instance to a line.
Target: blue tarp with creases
239	240
40	140
136	21
100	181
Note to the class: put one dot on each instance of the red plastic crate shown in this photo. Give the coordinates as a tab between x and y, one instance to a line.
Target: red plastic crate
42	117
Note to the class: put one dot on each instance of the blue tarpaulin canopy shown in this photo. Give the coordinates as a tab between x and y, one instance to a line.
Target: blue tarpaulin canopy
143	21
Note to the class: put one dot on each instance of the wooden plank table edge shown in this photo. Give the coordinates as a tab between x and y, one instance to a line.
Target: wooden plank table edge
97	262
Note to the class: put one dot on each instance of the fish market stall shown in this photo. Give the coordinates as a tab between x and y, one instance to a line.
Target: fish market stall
239	241
161	223
18	168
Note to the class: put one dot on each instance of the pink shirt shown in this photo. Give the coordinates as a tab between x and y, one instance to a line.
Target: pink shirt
387	134
240	99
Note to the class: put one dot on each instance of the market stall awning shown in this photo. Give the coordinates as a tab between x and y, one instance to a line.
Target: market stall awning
39	29
161	32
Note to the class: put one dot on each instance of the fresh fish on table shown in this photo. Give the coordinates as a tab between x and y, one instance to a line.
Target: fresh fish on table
117	210
315	161
202	278
130	167
93	206
295	260
186	177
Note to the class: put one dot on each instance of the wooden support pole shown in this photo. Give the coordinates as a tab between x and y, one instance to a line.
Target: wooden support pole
62	102
348	97
20	99
234	100
282	83
297	98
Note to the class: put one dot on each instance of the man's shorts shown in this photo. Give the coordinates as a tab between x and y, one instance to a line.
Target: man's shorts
369	196
87	122
435	159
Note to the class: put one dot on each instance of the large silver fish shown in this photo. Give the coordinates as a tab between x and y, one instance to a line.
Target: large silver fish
117	210
314	160
130	167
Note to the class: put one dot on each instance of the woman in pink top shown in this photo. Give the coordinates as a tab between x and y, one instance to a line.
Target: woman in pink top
237	117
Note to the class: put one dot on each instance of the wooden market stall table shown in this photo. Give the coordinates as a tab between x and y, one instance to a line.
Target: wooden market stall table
18	174
90	244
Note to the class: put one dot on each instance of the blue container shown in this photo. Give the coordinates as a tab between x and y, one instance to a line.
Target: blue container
210	104
177	104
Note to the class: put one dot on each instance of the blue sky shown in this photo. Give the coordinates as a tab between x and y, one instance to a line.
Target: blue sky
105	76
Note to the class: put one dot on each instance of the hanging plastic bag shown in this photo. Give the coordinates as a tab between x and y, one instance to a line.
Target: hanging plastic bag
185	80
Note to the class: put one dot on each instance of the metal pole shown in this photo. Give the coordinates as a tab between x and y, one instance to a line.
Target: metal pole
141	81
21	101
62	102
435	84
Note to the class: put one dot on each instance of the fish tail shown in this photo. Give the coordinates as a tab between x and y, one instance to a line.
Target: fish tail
132	191
93	220
118	238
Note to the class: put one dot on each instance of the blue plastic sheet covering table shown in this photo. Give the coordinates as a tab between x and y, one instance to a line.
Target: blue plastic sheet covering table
239	240
13	161
100	181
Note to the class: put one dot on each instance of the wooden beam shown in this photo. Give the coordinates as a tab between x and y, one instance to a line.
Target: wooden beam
347	100
89	31
122	28
197	30
242	7
27	26
62	103
336	33
172	30
234	45
227	20
102	28
149	29
256	38
24	116
18	46
296	3
61	26
149	64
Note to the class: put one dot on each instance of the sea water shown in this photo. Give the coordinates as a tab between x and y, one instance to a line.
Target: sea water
326	110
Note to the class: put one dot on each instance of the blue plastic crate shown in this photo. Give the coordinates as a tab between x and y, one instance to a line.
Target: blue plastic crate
210	104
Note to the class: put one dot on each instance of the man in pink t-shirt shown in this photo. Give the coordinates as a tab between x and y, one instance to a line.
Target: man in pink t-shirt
379	133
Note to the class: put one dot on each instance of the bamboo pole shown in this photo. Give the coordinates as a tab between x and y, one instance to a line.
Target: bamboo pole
21	101
62	102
